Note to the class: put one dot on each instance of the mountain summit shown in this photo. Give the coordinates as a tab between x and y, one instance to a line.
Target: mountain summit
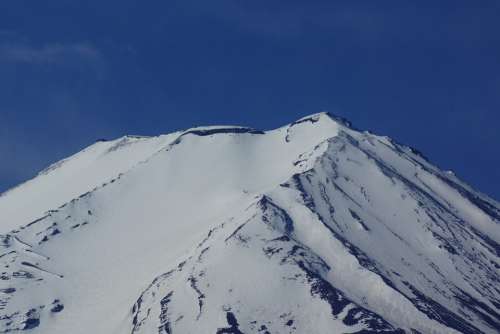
314	227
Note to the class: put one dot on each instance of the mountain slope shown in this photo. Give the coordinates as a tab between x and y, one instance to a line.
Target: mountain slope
314	227
71	177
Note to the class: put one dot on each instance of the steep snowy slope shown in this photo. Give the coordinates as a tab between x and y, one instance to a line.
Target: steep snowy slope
314	227
71	177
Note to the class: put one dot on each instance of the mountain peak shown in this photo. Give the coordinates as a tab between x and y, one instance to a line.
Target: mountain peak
324	116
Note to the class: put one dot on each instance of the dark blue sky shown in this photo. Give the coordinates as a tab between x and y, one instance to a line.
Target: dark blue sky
426	73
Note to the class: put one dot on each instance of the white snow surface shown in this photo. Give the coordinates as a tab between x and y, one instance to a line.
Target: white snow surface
314	227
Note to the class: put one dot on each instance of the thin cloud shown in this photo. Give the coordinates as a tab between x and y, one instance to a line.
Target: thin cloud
49	53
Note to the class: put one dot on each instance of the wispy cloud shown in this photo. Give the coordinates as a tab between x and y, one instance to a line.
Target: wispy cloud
49	53
56	107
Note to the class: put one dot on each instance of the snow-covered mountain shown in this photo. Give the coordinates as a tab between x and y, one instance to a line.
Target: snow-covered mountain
314	227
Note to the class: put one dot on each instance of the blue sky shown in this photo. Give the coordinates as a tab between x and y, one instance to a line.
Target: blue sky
426	73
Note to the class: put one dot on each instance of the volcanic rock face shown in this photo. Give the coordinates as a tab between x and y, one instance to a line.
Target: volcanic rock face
314	227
